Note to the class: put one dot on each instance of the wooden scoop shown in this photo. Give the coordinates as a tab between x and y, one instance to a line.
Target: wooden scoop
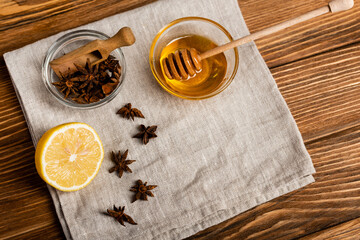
184	63
96	51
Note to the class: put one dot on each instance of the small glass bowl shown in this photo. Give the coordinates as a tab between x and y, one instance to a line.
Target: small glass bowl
67	43
193	26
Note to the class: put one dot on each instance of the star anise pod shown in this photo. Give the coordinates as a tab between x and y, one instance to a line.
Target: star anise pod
121	163
67	84
108	88
120	216
79	99
116	76
90	83
89	75
146	133
127	111
142	191
110	64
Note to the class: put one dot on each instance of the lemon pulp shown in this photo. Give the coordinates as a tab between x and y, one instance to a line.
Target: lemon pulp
69	156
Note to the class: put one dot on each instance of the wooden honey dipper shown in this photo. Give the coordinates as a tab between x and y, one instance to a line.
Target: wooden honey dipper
185	63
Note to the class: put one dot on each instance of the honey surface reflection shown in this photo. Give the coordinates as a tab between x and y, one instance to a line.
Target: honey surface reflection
213	69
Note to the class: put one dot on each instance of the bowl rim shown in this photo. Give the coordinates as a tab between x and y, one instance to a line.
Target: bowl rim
191	18
59	43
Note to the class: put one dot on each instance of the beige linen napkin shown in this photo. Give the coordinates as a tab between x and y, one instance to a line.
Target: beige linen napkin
213	159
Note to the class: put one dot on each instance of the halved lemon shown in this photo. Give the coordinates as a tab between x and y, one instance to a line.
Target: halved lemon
69	156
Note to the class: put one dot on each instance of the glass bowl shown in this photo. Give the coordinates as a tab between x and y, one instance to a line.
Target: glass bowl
67	43
193	26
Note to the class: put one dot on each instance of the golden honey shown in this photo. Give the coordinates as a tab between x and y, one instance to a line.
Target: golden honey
213	69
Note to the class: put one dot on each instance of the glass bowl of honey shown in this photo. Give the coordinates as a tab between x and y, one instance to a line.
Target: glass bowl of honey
202	34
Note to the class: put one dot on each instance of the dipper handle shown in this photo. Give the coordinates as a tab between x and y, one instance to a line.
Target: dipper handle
333	6
340	5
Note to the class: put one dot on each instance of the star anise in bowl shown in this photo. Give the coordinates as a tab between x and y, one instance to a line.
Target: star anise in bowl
110	64
89	76
90	83
68	84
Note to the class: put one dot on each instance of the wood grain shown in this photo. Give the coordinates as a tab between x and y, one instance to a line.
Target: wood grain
316	67
314	36
323	92
347	230
40	19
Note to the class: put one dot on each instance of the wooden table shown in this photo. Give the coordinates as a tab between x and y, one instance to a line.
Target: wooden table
317	68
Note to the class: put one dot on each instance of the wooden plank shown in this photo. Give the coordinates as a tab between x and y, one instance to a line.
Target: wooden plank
38	19
29	216
321	92
345	231
312	37
26	207
45	232
331	200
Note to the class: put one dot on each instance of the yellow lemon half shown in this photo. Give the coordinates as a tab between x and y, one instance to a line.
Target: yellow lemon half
69	156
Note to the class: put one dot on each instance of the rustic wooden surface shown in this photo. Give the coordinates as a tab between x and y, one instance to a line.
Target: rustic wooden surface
317	68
